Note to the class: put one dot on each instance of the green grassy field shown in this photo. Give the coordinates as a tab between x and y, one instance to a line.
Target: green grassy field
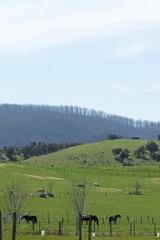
112	197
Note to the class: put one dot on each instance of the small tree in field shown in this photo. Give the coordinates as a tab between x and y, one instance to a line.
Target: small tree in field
14	197
79	196
116	151
137	188
124	155
152	147
114	136
140	152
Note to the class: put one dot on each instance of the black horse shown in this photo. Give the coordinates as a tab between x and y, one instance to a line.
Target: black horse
114	218
30	218
93	218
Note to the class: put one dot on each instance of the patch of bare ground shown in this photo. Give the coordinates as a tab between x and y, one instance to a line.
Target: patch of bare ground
154	180
1	165
40	177
110	189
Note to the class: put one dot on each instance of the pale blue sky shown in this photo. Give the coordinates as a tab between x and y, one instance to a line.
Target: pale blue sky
99	54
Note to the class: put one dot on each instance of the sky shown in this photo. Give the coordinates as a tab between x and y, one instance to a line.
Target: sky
96	54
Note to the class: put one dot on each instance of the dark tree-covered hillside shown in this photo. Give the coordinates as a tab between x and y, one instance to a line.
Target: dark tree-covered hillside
23	124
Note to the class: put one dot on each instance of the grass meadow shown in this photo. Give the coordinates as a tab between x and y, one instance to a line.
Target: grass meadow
140	214
112	197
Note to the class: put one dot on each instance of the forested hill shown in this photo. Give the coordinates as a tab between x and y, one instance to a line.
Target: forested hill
23	124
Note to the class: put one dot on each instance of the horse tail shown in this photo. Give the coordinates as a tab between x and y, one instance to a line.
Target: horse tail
97	221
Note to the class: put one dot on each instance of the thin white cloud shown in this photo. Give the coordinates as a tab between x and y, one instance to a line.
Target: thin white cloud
35	24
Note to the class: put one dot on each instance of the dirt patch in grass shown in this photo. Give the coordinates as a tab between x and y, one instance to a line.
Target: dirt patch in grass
40	177
1	165
154	180
110	189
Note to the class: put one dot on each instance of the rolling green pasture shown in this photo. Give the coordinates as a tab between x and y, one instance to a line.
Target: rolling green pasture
96	154
112	197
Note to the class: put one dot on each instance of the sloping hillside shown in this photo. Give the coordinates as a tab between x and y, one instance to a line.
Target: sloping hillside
23	124
98	154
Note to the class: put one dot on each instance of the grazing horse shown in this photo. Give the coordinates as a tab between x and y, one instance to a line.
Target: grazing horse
30	218
93	218
114	218
96	185
81	185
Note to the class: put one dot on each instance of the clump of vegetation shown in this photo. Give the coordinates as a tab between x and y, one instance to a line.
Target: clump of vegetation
114	136
33	149
151	147
121	155
140	152
137	188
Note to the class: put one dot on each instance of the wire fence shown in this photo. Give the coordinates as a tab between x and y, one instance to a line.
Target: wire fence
126	226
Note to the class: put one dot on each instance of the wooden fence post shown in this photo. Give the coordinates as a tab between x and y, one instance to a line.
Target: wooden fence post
14	227
48	218
0	226
39	227
62	222
89	227
134	224
154	229
110	224
130	229
60	229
